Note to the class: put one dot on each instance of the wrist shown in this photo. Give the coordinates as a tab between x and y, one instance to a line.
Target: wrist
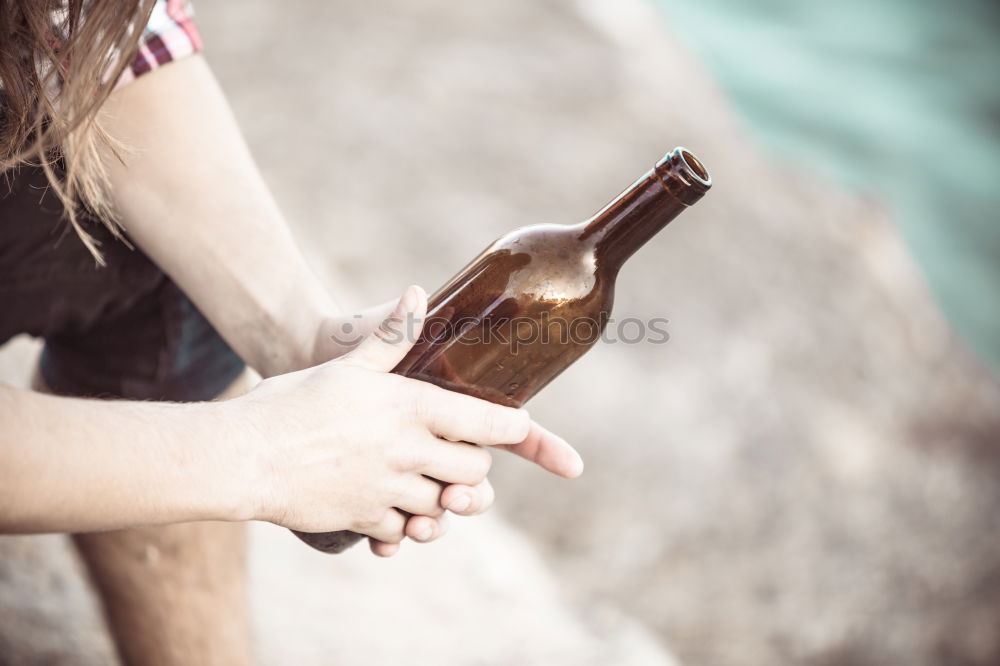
227	445
296	341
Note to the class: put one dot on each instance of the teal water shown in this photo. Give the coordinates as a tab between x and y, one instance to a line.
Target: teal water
897	98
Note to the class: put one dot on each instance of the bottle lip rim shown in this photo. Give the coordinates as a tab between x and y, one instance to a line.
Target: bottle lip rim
693	166
683	175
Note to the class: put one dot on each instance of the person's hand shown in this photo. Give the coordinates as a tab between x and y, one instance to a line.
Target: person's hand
348	445
340	334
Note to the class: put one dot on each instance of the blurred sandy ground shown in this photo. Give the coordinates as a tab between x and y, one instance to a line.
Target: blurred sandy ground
807	473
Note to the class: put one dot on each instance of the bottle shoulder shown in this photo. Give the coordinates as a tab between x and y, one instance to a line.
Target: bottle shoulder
540	236
549	262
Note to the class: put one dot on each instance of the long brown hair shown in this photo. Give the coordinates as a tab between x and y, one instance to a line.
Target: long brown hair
59	61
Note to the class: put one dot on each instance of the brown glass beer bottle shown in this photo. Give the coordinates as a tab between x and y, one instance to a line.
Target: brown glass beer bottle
538	298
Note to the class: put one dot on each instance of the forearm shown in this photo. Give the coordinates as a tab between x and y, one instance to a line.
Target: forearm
73	465
192	198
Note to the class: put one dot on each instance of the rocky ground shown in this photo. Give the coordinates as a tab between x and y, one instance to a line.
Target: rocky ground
807	473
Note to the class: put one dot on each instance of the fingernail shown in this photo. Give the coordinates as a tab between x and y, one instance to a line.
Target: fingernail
460	503
425	534
404	305
409	300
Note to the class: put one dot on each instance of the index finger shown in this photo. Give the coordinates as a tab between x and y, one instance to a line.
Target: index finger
463	418
549	451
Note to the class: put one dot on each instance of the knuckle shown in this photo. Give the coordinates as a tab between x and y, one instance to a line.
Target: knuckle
417	402
410	458
522	426
394	526
493	425
484	461
369	521
506	426
461	499
484	496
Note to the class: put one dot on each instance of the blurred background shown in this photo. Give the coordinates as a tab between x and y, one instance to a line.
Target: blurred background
807	473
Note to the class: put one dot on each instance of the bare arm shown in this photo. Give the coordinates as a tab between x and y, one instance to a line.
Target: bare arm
69	464
191	196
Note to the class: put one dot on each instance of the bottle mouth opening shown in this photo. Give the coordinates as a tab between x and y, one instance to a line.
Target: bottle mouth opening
683	175
694	166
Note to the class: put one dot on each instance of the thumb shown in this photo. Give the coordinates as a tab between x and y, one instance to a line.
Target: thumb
386	346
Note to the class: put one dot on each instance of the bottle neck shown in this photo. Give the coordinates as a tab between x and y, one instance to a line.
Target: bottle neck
640	212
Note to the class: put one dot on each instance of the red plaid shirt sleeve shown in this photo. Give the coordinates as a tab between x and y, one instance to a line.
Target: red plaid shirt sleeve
170	34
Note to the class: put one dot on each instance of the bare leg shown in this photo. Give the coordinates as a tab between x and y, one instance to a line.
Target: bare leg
176	594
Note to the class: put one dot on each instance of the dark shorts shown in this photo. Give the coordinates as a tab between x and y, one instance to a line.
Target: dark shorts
121	331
